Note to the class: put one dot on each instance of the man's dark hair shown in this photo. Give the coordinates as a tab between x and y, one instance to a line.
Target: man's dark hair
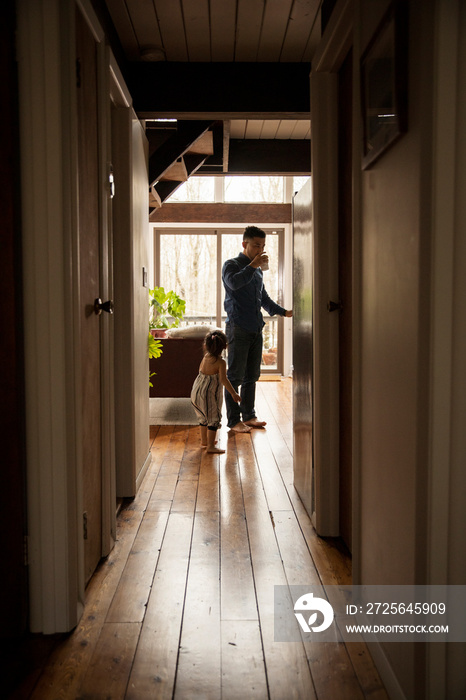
251	232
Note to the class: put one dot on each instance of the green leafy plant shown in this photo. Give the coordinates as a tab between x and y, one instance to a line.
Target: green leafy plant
155	350
166	309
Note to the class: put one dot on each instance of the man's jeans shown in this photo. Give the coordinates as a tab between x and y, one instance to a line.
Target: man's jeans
244	368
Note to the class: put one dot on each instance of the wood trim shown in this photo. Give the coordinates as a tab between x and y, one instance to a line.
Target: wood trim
222	213
337	39
325	255
47	76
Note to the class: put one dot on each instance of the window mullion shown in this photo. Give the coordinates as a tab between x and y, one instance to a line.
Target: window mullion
219	277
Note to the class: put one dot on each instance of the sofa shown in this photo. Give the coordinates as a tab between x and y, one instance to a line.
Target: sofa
177	367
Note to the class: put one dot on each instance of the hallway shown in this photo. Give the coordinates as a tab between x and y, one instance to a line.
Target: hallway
183	606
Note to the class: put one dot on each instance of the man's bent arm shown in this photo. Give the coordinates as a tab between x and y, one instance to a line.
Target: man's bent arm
235	278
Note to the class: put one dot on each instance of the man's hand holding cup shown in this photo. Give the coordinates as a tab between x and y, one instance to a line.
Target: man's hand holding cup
261	260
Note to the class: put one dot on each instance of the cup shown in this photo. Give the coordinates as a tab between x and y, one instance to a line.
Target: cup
264	266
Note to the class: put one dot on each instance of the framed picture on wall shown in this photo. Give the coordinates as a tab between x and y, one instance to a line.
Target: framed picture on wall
384	78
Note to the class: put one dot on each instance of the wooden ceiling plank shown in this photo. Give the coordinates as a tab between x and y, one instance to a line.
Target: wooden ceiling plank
144	21
303	18
285	129
253	128
171	25
238	128
123	25
269	128
273	29
197	25
302	129
248	29
223	29
314	39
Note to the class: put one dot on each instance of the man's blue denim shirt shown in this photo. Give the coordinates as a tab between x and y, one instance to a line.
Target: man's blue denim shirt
245	295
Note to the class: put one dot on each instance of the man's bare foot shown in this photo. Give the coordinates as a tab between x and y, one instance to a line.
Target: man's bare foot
240	428
254	423
215	451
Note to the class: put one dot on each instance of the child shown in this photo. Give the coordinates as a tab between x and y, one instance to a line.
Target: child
207	393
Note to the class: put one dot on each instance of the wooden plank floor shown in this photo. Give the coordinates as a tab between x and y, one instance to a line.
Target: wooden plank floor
183	606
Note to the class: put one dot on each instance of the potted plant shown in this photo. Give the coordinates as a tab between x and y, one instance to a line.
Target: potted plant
166	309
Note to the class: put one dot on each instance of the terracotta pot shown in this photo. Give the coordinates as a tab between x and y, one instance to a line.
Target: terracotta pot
159	332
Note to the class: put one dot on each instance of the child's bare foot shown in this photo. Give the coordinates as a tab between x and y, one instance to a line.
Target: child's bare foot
215	451
254	423
240	428
204	444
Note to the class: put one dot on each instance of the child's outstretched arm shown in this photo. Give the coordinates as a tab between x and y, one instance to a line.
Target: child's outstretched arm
222	371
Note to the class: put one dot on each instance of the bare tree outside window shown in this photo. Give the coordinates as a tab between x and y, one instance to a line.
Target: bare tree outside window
196	189
266	188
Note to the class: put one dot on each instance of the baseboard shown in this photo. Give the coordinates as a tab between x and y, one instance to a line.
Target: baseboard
386	673
143	471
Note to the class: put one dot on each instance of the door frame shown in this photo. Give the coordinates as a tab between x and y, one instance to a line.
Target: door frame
331	52
48	144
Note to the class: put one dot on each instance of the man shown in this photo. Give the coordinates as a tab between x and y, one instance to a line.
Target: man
245	295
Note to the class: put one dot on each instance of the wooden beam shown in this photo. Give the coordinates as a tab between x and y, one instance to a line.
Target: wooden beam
269	157
223	213
273	90
226	144
262	157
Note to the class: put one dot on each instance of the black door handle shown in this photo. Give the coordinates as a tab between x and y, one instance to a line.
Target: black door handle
334	306
100	306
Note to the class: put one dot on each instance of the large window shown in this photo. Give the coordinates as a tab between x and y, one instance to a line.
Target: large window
189	261
238	188
188	265
196	189
265	188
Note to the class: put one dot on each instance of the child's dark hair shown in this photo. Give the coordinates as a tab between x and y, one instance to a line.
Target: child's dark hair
215	343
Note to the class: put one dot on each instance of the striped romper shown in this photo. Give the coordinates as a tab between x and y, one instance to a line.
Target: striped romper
207	398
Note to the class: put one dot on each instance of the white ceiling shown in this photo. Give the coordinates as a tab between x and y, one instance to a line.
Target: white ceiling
218	30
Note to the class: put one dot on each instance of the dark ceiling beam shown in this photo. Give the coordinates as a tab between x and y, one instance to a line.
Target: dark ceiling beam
220	90
264	157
